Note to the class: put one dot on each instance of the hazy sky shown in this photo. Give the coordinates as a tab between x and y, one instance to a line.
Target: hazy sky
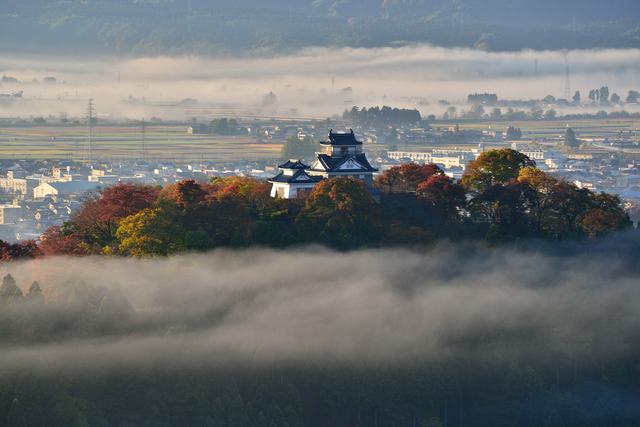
400	77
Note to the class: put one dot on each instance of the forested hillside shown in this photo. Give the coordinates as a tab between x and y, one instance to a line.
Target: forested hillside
253	27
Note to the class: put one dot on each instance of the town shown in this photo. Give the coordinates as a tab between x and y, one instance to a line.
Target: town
39	193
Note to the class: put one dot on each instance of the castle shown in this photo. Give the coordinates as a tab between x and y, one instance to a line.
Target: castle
341	156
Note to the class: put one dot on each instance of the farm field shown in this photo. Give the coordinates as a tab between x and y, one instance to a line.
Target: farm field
125	141
171	142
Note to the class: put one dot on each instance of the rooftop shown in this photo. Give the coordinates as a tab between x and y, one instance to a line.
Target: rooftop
342	139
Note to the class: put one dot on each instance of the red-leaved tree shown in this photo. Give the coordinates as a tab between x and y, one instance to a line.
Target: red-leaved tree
103	210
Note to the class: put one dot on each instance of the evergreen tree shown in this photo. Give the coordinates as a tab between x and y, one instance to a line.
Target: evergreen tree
237	416
514	133
275	415
493	237
35	293
16	297
8	287
218	412
201	415
274	234
240	238
16	416
570	139
576	96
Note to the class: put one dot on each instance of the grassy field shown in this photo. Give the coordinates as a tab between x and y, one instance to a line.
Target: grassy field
113	142
172	142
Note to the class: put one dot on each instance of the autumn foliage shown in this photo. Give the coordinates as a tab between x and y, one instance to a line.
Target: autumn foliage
501	197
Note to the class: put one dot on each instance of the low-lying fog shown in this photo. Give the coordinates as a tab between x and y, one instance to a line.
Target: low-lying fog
309	84
377	305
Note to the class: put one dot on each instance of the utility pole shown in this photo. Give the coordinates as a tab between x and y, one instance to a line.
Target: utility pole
144	154
88	149
567	87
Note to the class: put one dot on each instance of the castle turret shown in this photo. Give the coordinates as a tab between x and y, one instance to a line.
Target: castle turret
342	156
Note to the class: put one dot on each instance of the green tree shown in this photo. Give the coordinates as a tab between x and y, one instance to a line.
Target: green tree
219	127
392	135
576	96
570	203
495	166
536	113
8	287
451	112
35	293
493	237
297	148
237	416
153	232
550	114
115	303
240	238
476	112
615	98
633	97
570	139
17	416
514	133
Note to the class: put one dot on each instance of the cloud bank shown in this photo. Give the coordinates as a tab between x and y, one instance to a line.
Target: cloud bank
387	306
415	76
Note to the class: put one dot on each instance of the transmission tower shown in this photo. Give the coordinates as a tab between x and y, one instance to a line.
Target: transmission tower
144	154
573	34
88	148
567	86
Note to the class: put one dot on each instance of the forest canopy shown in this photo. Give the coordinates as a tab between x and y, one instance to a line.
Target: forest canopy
249	27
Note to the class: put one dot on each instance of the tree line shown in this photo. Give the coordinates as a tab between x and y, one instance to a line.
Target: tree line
376	116
152	28
501	197
491	382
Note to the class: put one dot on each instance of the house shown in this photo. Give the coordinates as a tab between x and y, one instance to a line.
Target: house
65	188
11	213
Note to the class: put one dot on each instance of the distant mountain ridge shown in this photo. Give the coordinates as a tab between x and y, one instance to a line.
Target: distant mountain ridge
265	27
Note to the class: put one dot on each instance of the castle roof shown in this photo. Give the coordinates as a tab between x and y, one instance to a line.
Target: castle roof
293	164
342	139
353	163
300	177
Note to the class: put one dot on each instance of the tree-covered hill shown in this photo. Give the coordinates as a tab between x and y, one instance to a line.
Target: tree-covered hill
250	27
